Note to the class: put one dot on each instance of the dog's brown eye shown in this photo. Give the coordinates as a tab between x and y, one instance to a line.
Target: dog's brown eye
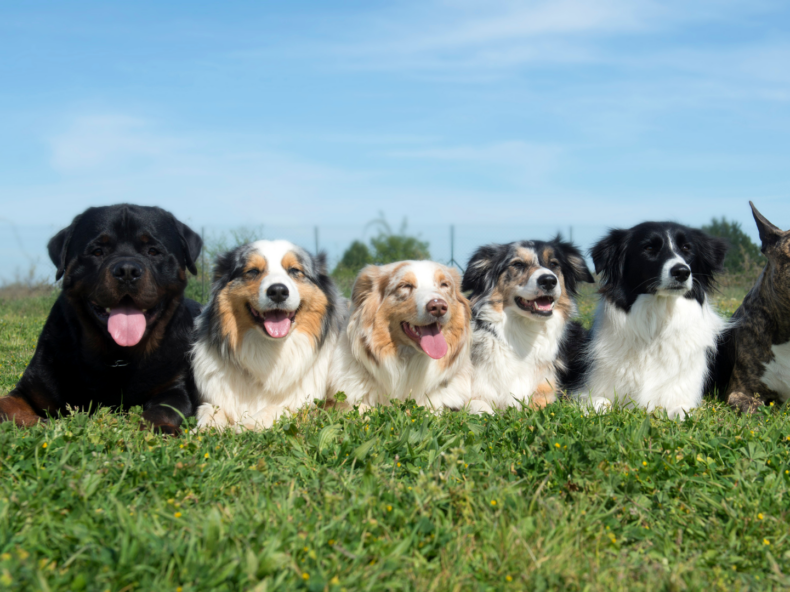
517	265
650	249
686	248
295	272
153	252
445	284
554	264
251	273
97	252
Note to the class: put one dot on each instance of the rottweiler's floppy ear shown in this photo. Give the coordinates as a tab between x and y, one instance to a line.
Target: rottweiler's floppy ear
608	256
58	247
191	243
769	234
481	271
365	284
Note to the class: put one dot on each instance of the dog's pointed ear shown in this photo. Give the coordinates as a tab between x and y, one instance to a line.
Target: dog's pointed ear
320	264
608	256
191	243
365	285
58	247
769	234
481	271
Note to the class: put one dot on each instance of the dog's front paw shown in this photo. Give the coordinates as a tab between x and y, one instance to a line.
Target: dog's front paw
476	407
600	404
743	402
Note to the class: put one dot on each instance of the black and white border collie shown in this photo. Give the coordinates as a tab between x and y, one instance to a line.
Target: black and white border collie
525	346
654	328
266	337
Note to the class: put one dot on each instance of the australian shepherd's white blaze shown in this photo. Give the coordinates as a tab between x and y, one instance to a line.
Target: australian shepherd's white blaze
408	337
265	339
655	329
525	346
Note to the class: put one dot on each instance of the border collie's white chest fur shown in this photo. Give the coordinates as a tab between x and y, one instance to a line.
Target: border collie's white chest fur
513	360
777	372
656	355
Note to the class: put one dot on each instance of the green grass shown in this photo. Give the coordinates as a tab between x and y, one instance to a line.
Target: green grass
396	500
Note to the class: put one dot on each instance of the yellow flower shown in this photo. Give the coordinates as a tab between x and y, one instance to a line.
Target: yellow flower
493	502
644	463
398	464
766	542
44	445
179	589
389	508
206	455
556	444
305	576
335	581
759	516
177	514
509	578
331	542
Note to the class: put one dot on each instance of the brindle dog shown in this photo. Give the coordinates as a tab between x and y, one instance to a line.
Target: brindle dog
118	334
753	360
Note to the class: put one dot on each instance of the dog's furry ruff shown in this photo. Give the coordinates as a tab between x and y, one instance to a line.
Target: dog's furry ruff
655	355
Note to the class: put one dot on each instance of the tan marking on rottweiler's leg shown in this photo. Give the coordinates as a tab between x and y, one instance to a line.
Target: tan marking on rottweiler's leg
743	402
544	395
16	409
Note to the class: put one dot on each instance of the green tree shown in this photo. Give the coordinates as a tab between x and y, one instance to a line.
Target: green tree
386	247
743	255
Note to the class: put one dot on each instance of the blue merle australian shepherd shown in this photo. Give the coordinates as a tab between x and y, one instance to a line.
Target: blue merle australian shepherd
525	346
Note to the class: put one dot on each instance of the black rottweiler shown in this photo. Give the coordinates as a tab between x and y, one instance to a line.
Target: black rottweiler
119	333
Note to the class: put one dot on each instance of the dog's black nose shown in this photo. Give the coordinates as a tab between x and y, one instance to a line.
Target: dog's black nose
278	292
680	272
127	271
548	282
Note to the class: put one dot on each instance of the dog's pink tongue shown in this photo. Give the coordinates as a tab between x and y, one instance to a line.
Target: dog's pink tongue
126	325
432	341
277	323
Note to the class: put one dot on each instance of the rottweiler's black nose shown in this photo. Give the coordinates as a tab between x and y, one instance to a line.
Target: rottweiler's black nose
278	292
680	272
127	271
547	282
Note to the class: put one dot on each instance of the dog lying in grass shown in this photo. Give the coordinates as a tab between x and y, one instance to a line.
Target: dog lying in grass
525	345
266	337
753	361
655	330
118	335
408	337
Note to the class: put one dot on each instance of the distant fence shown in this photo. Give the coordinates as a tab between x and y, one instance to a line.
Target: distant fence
23	248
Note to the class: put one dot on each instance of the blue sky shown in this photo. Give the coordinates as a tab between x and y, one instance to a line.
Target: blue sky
557	113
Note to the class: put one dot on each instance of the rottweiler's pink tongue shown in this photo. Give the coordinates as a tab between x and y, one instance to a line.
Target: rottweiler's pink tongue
277	323
126	325
432	341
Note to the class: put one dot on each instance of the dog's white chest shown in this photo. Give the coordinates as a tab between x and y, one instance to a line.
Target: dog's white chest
777	373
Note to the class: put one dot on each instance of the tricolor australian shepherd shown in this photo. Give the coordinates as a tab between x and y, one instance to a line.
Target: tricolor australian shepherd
408	337
525	345
265	339
654	329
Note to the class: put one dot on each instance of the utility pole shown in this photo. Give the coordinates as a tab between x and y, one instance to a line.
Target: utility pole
316	240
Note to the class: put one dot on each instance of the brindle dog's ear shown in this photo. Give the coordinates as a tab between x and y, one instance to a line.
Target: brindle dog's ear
481	271
608	256
769	234
365	284
58	247
191	243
